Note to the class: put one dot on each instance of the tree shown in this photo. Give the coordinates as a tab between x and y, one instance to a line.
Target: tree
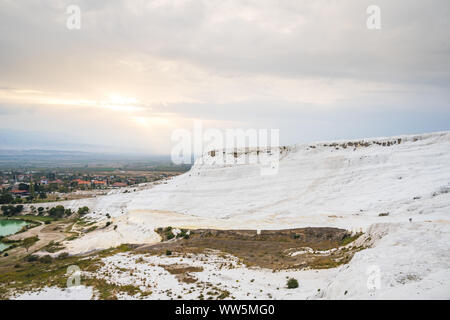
63	189
32	189
6	198
28	242
7	210
18	209
10	210
57	212
24	186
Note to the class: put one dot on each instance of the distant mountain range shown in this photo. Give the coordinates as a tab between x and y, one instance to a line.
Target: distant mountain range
22	139
10	158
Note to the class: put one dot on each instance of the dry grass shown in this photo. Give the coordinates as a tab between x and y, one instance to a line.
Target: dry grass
270	249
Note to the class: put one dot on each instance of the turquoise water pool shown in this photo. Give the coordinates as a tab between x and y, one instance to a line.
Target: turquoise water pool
8	227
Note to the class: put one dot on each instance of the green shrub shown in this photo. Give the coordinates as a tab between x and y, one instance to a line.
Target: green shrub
91	229
225	294
83	210
31	258
63	255
46	259
292	283
349	238
170	235
168	252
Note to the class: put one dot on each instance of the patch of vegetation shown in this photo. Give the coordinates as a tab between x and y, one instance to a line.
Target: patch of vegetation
83	210
292	283
11	243
225	294
84	222
112	251
109	291
349	238
169	233
91	229
46	259
166	233
183	234
34	273
72	237
10	210
333	261
57	212
53	247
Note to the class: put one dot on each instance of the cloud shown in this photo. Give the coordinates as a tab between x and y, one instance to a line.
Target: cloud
138	69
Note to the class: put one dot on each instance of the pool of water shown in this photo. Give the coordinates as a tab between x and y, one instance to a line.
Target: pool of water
8	227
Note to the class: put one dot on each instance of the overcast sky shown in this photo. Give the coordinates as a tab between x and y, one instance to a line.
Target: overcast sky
137	70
